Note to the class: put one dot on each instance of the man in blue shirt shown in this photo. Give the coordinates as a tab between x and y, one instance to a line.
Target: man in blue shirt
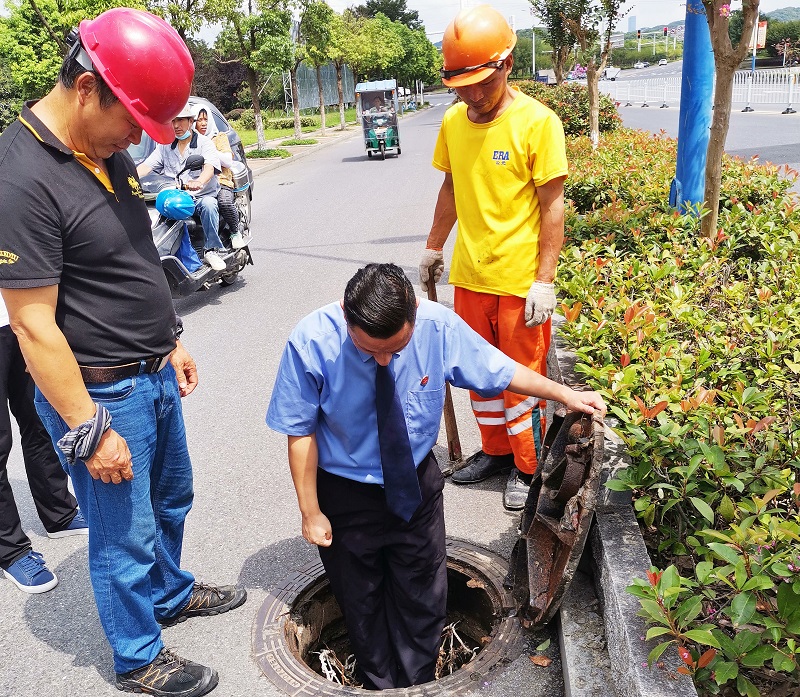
388	573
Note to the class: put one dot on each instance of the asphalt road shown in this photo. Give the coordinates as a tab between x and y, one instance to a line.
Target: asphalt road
316	220
769	136
671	69
764	133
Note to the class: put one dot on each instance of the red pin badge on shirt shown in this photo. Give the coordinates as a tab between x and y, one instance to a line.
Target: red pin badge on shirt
424	381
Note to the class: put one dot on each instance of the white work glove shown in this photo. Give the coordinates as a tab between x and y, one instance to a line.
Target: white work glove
540	303
431	266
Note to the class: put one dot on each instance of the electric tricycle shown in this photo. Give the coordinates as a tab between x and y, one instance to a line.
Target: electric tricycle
376	107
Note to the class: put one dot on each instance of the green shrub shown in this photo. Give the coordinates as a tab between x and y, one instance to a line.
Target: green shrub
633	170
269	152
300	141
695	345
234	114
288	122
571	104
247	120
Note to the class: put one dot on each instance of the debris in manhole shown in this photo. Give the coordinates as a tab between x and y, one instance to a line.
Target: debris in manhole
287	644
475	583
336	671
453	652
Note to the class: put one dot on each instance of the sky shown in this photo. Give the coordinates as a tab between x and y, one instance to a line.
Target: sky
436	14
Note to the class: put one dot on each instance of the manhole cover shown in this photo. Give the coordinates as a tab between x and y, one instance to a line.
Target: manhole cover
300	617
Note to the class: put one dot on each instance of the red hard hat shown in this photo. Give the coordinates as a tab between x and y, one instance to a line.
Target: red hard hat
476	36
145	63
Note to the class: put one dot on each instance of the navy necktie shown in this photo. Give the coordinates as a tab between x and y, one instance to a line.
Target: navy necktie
400	482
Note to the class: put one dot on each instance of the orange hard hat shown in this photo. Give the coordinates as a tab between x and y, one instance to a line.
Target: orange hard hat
475	44
145	63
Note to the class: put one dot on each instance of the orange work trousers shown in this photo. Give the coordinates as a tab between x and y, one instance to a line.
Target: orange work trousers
509	422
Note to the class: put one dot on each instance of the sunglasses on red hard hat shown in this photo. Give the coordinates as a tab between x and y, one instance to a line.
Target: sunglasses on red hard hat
77	53
449	74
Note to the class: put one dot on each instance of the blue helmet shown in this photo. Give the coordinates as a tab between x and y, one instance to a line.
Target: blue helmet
175	204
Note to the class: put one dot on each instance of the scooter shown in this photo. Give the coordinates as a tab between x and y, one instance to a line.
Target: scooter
181	259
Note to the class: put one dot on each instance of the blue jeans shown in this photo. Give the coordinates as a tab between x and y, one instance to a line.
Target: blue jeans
207	207
136	527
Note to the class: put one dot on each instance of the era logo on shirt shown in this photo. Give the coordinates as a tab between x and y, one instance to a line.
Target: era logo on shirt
7	257
136	189
500	157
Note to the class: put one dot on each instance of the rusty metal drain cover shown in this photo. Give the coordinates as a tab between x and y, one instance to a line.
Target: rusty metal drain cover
301	614
557	517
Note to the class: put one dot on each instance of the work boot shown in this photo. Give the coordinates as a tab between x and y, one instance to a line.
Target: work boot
169	676
516	492
481	466
208	600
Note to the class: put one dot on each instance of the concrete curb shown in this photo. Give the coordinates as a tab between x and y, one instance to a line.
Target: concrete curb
581	638
618	555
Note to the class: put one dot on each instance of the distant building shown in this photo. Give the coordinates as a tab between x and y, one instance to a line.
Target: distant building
631	24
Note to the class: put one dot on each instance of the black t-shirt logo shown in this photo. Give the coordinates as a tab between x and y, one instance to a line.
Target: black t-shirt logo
136	189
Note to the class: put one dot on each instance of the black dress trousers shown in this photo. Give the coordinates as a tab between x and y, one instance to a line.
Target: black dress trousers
55	505
388	576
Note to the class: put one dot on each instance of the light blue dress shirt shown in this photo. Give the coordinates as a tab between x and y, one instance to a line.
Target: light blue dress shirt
325	385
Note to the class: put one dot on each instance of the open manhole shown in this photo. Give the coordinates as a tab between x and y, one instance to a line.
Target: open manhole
301	617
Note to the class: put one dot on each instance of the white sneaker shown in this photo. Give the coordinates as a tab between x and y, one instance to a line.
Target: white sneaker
214	260
237	241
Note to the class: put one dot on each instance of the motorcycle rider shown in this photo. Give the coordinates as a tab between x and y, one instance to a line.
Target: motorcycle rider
203	185
205	126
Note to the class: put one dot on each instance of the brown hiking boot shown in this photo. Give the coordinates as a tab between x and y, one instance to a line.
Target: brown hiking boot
208	600
169	676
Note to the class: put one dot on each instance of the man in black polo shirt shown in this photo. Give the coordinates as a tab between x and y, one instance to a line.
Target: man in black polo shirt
91	307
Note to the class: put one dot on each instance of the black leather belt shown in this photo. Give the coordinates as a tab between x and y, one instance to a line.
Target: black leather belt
120	372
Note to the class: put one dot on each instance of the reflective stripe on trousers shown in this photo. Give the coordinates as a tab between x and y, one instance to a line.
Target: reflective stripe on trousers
508	422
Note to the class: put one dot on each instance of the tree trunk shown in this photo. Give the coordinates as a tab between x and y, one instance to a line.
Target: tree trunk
726	60
321	101
559	61
593	73
342	123
593	88
252	83
720	123
298	131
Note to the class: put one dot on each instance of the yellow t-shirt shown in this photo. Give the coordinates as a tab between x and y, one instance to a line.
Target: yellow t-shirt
496	167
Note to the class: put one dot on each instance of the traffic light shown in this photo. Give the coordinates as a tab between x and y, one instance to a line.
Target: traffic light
665	31
638	33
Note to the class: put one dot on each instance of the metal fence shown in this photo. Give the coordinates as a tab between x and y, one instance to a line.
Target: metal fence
308	92
775	89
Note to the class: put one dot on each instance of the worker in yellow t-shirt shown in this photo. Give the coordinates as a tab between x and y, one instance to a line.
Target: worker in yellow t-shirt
505	163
